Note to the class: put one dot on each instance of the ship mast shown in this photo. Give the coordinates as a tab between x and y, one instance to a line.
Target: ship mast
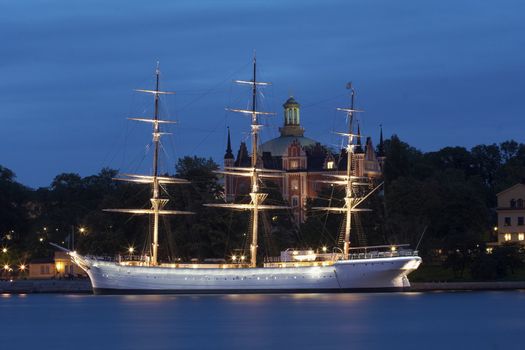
349	180
157	203
256	196
348	189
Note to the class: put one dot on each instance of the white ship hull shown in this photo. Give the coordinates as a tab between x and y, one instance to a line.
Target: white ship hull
386	274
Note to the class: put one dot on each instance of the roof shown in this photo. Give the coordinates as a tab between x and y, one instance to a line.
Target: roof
290	102
42	261
510	188
278	146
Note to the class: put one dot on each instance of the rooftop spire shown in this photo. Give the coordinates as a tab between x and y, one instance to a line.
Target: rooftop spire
358	148
229	153
381	146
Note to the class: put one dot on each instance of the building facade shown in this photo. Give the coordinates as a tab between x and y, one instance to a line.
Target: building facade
511	215
60	266
304	162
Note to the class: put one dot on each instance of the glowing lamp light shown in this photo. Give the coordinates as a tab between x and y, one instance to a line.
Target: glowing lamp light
324	249
60	267
234	257
495	228
82	230
41	239
131	250
4	250
243	257
393	248
6	267
22	267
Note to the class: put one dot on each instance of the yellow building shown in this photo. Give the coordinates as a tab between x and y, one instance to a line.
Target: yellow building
59	267
511	215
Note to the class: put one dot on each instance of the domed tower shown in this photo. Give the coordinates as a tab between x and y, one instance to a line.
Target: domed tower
292	126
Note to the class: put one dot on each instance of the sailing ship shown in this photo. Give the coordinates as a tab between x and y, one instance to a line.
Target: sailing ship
294	271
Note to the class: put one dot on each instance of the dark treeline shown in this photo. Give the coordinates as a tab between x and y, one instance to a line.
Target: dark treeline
450	194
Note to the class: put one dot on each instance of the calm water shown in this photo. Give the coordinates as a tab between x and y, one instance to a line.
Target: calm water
484	320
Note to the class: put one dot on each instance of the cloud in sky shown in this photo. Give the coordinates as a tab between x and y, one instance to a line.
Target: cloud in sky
436	72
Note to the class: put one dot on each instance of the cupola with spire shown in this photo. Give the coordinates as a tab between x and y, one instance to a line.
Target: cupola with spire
292	125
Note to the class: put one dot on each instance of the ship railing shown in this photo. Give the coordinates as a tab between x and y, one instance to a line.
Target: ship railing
130	257
118	258
382	254
102	258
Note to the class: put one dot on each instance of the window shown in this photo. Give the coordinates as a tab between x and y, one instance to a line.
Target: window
520	203
295	185
513	203
294	164
507	221
520	220
507	237
295	201
521	236
330	164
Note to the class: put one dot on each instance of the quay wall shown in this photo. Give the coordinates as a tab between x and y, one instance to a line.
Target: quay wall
84	286
46	286
465	286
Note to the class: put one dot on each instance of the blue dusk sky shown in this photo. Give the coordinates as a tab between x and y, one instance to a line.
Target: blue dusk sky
436	73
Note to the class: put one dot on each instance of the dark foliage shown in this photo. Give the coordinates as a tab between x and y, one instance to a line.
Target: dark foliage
450	192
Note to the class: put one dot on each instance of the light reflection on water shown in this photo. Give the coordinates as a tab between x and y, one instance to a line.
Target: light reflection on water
484	320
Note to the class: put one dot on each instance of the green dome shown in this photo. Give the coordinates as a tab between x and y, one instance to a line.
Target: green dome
291	102
278	146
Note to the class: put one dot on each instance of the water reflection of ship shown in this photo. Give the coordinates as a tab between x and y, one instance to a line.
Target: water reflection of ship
346	269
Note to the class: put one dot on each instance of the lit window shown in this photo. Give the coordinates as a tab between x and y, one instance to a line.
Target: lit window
507	221
330	164
294	164
295	185
508	236
521	236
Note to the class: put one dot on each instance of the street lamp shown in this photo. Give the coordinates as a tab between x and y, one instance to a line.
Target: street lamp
130	251
4	250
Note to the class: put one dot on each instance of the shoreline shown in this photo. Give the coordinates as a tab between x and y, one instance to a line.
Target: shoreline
36	286
83	286
466	286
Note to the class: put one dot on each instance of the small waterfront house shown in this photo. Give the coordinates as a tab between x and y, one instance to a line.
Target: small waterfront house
58	267
511	215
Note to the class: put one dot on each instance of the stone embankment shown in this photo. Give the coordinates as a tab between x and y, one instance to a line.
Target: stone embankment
84	286
465	286
46	286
